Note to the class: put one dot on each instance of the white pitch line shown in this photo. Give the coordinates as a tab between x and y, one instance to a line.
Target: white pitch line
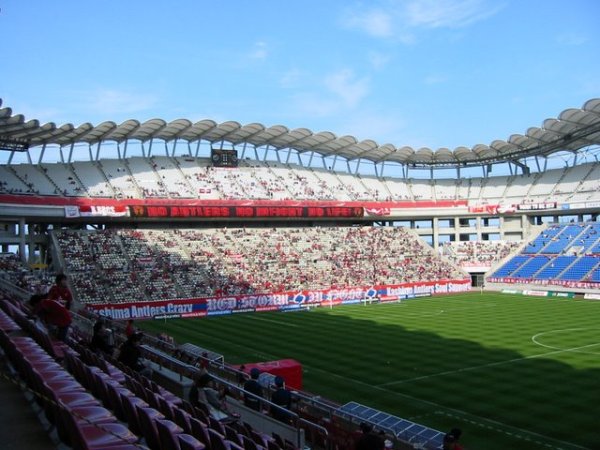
438	406
481	420
287	324
483	366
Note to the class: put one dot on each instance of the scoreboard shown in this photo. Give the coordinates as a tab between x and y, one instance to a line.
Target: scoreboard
224	158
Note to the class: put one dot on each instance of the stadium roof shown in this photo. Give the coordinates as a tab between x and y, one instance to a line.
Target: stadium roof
572	130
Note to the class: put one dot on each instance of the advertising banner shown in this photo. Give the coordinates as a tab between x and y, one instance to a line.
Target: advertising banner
288	301
246	212
563	283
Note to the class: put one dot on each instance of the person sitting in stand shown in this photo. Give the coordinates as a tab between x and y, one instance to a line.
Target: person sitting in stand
369	440
52	313
451	440
253	387
130	354
100	339
281	397
202	391
60	291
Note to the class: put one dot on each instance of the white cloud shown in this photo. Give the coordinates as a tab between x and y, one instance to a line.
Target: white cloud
434	79
292	78
336	93
448	13
115	101
378	60
346	87
375	22
574	39
400	19
312	104
260	51
382	128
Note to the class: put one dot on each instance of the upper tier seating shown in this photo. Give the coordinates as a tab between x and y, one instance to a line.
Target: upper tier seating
188	177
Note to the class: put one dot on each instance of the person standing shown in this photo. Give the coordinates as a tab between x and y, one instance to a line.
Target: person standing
253	387
129	329
53	313
60	291
283	399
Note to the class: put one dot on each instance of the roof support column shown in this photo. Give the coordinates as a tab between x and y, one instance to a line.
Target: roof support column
70	152
150	147
266	152
376	171
309	159
324	163
287	160
166	149
143	149
198	147
244	150
90	152
458	173
60	151
431	172
119	151
348	166
42	153
256	153
545	163
357	166
174	148
382	169
334	161
125	149
537	163
10	158
98	150
575	160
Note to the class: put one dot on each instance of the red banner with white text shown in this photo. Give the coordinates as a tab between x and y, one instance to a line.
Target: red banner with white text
285	301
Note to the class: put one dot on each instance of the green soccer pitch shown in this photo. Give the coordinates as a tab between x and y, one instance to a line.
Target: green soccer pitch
513	372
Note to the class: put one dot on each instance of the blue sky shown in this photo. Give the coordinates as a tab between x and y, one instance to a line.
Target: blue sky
436	73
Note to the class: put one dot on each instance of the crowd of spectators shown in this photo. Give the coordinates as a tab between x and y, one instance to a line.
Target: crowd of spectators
154	264
479	253
14	271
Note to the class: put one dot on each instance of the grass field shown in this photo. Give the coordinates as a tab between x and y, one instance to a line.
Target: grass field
513	372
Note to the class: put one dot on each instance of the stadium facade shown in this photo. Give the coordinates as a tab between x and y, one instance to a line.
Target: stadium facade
206	174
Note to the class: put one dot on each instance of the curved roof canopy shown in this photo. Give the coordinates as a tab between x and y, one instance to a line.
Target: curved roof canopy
572	130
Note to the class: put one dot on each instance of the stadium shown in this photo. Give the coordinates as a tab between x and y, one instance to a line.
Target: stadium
420	303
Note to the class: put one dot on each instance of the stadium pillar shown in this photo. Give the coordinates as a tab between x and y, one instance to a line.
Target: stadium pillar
22	240
436	233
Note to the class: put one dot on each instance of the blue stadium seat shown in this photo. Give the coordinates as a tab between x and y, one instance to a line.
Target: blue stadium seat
580	268
507	269
563	239
529	269
555	267
542	240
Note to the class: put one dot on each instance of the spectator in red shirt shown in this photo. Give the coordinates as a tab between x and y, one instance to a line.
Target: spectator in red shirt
60	291
52	313
129	329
